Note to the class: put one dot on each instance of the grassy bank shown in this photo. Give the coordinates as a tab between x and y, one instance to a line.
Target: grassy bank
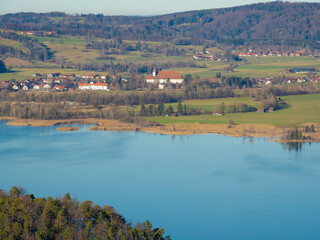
299	110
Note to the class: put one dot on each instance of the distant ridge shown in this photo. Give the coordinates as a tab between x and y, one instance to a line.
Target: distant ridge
272	20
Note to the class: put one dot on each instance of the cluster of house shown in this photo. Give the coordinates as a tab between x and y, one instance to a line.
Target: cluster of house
272	81
163	77
301	70
58	82
38	33
262	110
264	53
210	56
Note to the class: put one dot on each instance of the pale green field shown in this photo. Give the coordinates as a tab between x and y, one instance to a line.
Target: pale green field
300	109
254	67
73	53
67	40
14	44
272	66
21	74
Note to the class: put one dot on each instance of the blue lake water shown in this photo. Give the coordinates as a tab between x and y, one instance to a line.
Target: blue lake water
196	187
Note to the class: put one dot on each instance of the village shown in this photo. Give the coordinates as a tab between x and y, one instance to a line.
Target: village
61	82
220	57
207	55
58	82
275	53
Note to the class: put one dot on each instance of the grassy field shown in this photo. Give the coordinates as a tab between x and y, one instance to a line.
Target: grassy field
14	44
300	109
73	53
272	66
254	67
72	49
67	40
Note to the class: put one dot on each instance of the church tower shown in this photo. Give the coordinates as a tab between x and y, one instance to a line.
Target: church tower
154	73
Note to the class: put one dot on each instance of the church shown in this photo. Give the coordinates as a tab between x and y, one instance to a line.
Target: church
164	77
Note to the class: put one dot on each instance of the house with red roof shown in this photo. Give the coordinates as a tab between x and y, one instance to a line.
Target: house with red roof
164	77
60	88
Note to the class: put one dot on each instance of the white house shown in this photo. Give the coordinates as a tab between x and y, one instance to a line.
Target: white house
36	87
15	87
51	75
94	86
46	87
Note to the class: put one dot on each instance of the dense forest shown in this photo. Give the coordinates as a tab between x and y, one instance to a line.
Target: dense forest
23	216
262	21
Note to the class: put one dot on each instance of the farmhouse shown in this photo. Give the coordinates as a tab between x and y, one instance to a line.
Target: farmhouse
94	86
67	75
51	75
60	88
90	76
42	87
15	87
303	70
164	77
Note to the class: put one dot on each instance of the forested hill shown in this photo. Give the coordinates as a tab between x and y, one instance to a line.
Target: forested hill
273	20
23	216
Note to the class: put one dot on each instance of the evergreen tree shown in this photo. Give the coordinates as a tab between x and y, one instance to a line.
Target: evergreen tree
180	109
3	68
169	110
143	111
161	108
312	128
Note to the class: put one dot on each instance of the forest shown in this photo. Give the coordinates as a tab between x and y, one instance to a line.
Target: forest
23	216
261	21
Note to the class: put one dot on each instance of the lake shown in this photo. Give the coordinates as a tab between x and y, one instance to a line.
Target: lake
196	187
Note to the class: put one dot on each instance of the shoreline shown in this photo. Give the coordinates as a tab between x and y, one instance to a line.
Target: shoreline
239	130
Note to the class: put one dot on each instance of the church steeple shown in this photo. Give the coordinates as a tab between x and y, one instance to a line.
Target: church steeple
154	73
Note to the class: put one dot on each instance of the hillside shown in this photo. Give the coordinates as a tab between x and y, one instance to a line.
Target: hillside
273	20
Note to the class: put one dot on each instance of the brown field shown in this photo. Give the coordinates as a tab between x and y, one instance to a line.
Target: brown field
67	129
16	62
239	130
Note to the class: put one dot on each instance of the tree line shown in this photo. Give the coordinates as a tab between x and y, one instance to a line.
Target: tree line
23	216
162	110
37	51
136	68
93	98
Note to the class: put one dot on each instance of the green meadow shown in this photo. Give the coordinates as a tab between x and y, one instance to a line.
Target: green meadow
300	109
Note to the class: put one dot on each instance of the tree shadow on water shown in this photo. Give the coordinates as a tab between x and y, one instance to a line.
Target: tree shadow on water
295	146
